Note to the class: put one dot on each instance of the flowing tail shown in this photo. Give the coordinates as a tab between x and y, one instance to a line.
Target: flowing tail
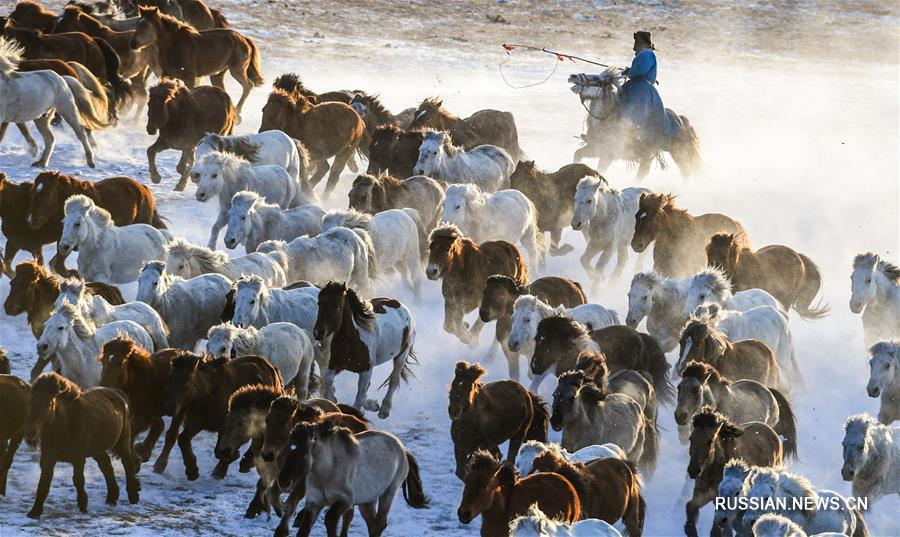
254	71
121	90
413	491
787	425
861	529
650	453
92	109
539	421
812	284
658	368
686	147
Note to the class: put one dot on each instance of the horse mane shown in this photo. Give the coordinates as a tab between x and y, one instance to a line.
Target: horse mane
252	395
351	218
86	18
701	371
245	200
224	160
887	268
471	193
649	279
724	241
386	132
169	23
361	308
83	327
54	384
444	138
774	524
890	347
435	104
208	259
736	467
374	102
255	282
483	460
861	423
705	328
562	322
446	230
715	280
124	346
282	98
168	89
534	521
658	203
288	82
41	272
11	53
594	361
239	145
708	417
85	206
506	282
795	485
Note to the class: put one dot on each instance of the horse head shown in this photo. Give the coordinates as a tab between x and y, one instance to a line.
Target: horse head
480	485
463	388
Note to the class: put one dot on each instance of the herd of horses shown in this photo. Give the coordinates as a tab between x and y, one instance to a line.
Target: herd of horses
242	346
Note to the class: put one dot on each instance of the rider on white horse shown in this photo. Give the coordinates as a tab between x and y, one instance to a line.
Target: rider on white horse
640	102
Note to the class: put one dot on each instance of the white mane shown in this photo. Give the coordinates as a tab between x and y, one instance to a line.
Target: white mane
82	205
11	53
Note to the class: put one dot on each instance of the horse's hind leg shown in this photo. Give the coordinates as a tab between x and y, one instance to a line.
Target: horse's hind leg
84	136
218	80
644	167
26	133
43	126
139	84
6	459
78	481
184	168
145	448
246	88
109	475
131	462
187	453
369	514
335	513
393	383
384	507
334	175
362	392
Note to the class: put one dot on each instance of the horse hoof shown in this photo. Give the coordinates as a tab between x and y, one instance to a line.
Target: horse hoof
563	250
112	501
245	466
134	497
384	413
160	466
281	532
38	164
155	179
371	405
192	474
35	514
180	186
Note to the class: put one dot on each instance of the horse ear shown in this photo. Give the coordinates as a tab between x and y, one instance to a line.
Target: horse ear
461	366
713	309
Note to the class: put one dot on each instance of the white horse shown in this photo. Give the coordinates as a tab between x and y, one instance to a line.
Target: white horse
660	299
30	96
394	235
884	379
486	166
605	216
189	307
875	286
286	345
532	448
76	343
504	215
536	524
765	323
225	174
107	253
712	285
101	312
832	512
871	458
337	254
734	475
188	260
252	221
772	525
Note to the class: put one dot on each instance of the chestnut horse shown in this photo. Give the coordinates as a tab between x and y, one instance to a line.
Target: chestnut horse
608	488
189	55
71	425
327	129
183	116
497	494
33	290
553	195
464	266
394	150
679	238
32	15
789	276
483	416
485	127
15	394
15	198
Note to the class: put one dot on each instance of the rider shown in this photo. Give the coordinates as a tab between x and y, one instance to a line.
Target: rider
639	100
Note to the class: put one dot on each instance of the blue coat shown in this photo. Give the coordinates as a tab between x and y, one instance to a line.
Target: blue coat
641	104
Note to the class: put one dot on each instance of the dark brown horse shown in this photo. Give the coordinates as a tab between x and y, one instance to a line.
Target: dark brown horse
32	15
483	416
293	85
15	394
464	266
745	359
70	426
789	276
491	127
560	341
183	116
497	494
198	390
609	489
374	194
394	151
679	238
143	378
329	129
33	290
15	198
188	55
501	292
714	442
375	114
553	195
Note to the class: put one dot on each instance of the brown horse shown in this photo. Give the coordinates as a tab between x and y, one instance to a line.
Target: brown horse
70	426
483	416
142	377
33	290
188	55
32	15
197	392
183	116
193	12
680	238
491	127
609	489
560	340
15	394
464	266
375	114
15	199
501	292
497	494
746	359
714	442
293	85
789	276
394	150
327	129
553	195
374	194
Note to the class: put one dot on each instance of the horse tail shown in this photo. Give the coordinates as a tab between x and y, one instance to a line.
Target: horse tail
413	491
539	420
92	109
861	529
121	90
219	20
658	368
254	71
787	424
636	508
540	241
809	288
352	411
686	147
371	258
650	453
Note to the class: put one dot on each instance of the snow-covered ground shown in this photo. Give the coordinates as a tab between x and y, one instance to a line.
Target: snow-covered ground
803	157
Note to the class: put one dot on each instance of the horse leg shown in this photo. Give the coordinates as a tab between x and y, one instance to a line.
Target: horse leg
256	504
644	167
70	114
26	133
290	506
621	260
187	452
43	126
597	273
692	509
329	384
109	475
246	88
305	519
139	84
475	331
131	462
78	480
145	448
393	383
217	226
187	155
362	401
320	168
334	175
592	249
335	514
218	80
43	488
163	460
155	148
6	459
369	514
384	507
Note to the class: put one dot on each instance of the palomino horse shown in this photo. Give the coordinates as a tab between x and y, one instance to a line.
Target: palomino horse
875	286
188	55
611	137
394	151
183	116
